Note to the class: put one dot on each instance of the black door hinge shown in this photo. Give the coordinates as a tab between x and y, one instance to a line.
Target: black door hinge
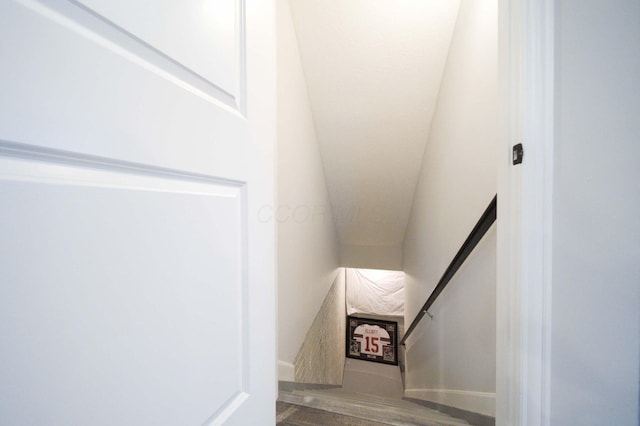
518	153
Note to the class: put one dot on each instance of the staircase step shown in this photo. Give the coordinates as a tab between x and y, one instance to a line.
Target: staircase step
370	407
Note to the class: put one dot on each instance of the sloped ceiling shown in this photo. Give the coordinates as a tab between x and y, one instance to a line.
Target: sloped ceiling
373	69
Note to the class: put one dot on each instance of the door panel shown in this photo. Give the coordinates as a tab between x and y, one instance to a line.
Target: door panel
90	81
108	316
182	31
137	283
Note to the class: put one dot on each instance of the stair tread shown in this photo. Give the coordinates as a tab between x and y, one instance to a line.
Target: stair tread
365	399
370	407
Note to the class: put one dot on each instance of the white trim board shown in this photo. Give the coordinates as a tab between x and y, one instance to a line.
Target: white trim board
526	64
476	402
286	371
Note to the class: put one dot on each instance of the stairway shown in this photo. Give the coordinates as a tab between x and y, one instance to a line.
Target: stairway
371	392
389	411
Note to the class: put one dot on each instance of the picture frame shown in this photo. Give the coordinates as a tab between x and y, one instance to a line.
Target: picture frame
372	340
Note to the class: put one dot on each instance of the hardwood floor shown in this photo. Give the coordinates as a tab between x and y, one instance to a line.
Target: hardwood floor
296	415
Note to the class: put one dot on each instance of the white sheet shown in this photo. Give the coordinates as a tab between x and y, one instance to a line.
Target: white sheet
372	291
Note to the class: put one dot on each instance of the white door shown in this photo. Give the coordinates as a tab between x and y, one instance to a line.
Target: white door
136	146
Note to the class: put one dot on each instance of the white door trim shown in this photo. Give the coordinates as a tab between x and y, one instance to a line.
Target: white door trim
526	64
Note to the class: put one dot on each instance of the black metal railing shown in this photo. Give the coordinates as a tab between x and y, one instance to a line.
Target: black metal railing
478	231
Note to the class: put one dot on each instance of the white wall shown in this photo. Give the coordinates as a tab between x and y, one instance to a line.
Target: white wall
452	359
371	257
596	214
307	240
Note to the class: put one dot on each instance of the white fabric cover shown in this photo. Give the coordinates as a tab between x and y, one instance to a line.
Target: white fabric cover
372	291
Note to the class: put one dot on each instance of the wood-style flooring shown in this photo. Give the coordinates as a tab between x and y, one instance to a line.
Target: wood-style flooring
296	415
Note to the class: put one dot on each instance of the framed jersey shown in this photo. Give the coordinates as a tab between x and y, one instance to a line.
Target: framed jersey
372	340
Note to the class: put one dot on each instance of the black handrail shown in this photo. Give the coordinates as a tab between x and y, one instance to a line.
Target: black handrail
478	231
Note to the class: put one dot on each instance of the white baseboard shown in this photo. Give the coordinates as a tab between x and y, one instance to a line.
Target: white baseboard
286	371
476	402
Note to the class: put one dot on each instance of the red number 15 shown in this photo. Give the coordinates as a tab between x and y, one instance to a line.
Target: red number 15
373	341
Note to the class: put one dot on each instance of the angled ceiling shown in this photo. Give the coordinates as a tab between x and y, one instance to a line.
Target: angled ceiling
373	70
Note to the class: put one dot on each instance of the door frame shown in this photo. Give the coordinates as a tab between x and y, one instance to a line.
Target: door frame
524	279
